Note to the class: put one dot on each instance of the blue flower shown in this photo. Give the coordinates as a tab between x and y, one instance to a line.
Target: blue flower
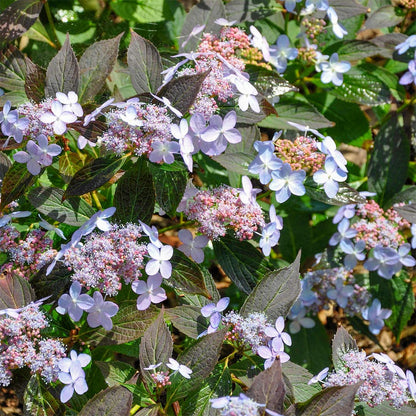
410	42
386	261
285	182
376	316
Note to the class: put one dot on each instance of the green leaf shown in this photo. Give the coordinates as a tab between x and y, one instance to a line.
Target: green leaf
115	372
298	111
242	263
342	343
353	50
329	402
247	368
18	17
351	125
41	400
198	403
346	194
408	212
145	65
169	186
203	13
48	201
95	65
201	358
15	183
115	400
55	284
148	411
140	11
62	74
186	275
12	69
128	325
299	377
248	10
156	346
93	175
182	91
15	292
135	194
35	81
348	8
235	161
188	319
383	17
384	409
387	170
268	388
276	293
310	348
362	87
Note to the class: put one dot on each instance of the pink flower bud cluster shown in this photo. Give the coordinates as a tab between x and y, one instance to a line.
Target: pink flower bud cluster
22	345
249	331
313	27
302	153
33	112
229	45
106	259
151	125
161	379
26	256
317	284
378	227
221	209
379	382
409	4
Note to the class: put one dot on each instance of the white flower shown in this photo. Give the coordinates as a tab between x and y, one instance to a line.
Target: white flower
70	103
182	369
160	260
58	117
193	247
332	71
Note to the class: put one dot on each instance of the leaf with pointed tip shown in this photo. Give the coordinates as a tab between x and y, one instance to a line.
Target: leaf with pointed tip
93	175
275	294
92	131
298	378
15	183
18	18
135	194
188	319
55	284
204	13
348	8
95	65
341	344
346	194
115	372
182	91
384	16
62	74
242	263
329	402
145	64
48	201
115	400
201	358
169	186
186	275
129	324
384	409
15	292
35	81
268	388
156	346
148	411
12	70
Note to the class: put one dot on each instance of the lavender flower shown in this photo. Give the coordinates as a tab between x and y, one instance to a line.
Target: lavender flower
338	29
193	247
150	291
182	369
409	76
411	384
341	293
152	233
410	42
130	117
74	304
58	117
101	312
76	361
264	164
5	219
281	53
285	182
344	233
346	211
376	316
354	252
270	354
384	260
70	103
213	312
164	151
330	177
319	377
38	155
160	260
75	381
291	4
270	236
96	112
15	129
332	71
279	338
